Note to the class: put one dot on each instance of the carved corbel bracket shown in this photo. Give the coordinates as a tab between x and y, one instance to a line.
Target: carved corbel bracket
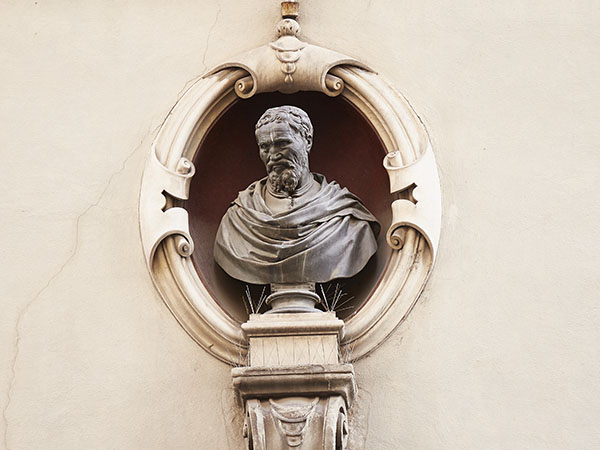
296	422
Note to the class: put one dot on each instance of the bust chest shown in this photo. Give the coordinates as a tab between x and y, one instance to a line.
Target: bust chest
279	204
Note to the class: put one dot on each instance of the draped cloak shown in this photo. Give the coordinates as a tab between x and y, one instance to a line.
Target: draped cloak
330	235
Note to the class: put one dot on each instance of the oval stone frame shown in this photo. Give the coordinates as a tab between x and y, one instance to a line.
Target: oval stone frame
289	65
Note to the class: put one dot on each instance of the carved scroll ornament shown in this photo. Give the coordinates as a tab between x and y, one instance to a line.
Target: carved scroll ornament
289	65
294	384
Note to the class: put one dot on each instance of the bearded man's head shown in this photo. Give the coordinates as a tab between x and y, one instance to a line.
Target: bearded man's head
284	137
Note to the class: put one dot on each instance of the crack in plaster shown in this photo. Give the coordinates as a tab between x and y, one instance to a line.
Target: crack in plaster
210	31
55	276
189	83
75	248
29	213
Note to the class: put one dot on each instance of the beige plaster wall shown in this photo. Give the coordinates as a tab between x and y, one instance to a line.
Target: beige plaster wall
503	350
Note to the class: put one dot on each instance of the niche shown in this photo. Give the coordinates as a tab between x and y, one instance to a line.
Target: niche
346	149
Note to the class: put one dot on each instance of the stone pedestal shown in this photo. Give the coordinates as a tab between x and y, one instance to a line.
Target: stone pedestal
296	391
292	298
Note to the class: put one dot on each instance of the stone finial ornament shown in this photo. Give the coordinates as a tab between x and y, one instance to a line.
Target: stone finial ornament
290	9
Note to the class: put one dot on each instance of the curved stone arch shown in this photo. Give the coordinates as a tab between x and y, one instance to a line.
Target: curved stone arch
410	164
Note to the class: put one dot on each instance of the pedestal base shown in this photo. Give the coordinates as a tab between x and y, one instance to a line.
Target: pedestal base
293	298
295	391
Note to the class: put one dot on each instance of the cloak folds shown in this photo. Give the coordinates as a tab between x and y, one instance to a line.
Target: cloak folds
331	235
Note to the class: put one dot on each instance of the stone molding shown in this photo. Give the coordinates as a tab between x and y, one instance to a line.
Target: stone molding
307	380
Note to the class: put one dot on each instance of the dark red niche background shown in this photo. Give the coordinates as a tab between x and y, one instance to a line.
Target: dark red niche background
345	149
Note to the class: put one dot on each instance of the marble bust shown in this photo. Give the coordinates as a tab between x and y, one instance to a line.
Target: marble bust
293	226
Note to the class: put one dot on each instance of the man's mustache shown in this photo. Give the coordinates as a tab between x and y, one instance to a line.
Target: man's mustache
281	163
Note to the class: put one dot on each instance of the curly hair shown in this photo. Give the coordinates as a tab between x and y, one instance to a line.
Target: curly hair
296	118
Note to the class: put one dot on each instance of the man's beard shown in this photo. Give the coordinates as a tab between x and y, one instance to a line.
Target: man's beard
285	180
286	176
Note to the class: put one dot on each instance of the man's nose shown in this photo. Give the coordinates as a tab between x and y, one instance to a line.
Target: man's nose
274	153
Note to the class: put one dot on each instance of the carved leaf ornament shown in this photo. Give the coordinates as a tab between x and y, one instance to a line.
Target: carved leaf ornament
289	65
